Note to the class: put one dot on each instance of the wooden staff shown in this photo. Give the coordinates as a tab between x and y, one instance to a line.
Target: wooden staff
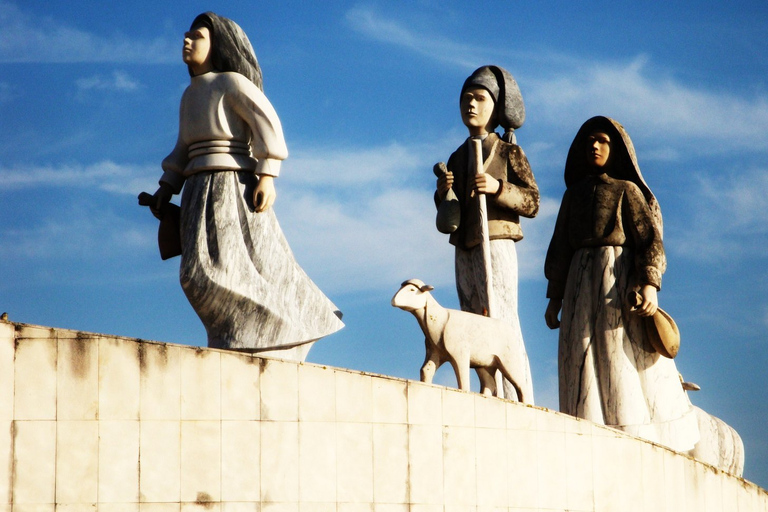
477	146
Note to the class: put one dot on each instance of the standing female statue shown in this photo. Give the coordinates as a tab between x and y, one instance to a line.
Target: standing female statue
607	243
237	269
489	97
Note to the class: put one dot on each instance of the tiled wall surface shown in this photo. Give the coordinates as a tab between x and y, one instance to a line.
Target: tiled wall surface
91	422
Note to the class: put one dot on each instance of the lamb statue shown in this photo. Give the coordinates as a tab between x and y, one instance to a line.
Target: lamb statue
465	340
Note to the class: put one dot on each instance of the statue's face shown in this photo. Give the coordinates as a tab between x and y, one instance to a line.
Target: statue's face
197	50
477	111
598	149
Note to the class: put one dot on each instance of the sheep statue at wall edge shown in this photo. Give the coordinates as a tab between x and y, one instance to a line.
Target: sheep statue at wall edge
466	340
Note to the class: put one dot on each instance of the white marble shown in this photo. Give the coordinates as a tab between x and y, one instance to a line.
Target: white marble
317	462
77	395
119	381
7	350
77	461
200	385
240	387
390	463
317	394
240	451
354	462
160	383
459	463
279	385
425	453
6	460
118	480
390	401
35	380
160	461
425	405
34	453
280	461
201	461
354	397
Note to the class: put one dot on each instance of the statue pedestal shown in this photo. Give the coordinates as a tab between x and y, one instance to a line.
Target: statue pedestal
90	420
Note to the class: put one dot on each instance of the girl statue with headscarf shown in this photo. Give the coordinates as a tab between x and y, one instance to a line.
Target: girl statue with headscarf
607	243
489	98
237	269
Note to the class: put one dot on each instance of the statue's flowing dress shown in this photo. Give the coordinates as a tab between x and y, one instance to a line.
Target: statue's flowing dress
237	269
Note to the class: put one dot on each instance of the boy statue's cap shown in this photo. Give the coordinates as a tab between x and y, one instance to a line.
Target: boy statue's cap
503	87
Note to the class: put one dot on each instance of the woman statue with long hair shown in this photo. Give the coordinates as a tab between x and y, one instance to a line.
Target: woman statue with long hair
237	269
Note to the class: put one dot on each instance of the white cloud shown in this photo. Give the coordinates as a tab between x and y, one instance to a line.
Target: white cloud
25	38
729	217
106	175
565	90
119	81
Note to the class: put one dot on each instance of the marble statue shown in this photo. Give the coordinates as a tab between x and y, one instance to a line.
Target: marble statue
237	269
607	243
481	198
466	340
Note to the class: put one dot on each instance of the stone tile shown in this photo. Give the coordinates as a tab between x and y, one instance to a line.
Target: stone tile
490	412
731	488
200	384
354	397
7	348
390	507
279	386
119	379
426	507
35	462
355	507
491	450
200	461
712	497
77	461
6	459
617	469
317	393
425	404
160	507
118	507
280	507
240	461
35	380
458	408
160	463
34	507
425	450
461	508
522	417
674	481
201	506
240	387
310	506
77	507
523	468
390	463
652	458
547	421
118	461
459	473
317	461
230	506
280	455
354	462
390	401
695	485
160	382
552	475
77	379
579	483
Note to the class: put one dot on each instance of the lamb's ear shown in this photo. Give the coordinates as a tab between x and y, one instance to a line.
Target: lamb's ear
427	288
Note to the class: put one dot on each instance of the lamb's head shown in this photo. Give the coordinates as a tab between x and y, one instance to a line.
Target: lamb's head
412	295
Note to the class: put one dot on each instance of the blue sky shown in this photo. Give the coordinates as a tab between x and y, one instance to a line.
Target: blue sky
368	96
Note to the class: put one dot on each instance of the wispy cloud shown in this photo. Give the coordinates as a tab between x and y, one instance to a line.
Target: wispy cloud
728	219
106	175
564	90
118	81
27	38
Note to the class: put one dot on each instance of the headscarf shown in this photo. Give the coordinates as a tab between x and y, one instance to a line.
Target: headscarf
622	161
230	48
510	110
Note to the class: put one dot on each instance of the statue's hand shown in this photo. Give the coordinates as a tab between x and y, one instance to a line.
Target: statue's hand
444	183
264	196
161	198
553	310
486	184
650	301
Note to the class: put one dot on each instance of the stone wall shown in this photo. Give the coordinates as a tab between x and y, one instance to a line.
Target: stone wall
101	422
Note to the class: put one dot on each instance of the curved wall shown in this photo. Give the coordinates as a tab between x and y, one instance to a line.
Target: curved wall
92	421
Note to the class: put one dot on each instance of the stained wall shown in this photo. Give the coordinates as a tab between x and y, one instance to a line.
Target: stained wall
94	422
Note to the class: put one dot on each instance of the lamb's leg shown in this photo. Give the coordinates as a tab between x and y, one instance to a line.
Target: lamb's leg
487	382
461	369
431	363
